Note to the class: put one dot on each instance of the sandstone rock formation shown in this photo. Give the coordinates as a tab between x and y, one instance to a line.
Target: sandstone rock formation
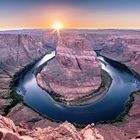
13	57
125	50
74	73
120	45
65	131
16	52
29	117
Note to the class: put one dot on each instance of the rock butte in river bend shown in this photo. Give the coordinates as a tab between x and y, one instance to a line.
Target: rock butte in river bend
75	72
123	46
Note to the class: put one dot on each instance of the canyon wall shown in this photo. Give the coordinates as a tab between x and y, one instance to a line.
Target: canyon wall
20	49
120	45
16	52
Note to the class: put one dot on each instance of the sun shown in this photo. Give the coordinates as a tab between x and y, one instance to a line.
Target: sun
57	26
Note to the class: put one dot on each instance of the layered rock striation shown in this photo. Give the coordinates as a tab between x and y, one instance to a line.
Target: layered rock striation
120	45
75	72
16	52
124	49
13	58
65	131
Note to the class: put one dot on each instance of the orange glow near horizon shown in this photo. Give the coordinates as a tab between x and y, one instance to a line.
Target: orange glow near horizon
43	17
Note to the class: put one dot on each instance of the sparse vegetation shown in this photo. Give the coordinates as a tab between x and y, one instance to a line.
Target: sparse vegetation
16	98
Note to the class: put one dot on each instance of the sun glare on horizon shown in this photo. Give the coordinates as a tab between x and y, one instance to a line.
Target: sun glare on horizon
57	26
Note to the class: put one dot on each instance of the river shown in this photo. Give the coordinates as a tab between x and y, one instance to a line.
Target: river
107	108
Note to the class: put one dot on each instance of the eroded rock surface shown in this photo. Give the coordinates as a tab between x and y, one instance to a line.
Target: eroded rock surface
131	125
18	50
75	72
120	45
28	117
65	131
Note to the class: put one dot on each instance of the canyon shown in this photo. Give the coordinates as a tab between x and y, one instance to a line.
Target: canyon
18	49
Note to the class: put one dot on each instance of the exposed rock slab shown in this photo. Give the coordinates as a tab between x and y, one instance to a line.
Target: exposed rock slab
131	125
125	49
21	115
16	52
3	104
65	131
111	132
74	73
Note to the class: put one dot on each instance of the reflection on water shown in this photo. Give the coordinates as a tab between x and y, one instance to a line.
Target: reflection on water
45	58
108	108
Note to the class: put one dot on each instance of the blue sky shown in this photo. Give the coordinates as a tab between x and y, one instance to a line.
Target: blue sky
74	13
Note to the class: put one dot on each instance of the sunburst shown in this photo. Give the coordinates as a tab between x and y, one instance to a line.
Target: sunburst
57	26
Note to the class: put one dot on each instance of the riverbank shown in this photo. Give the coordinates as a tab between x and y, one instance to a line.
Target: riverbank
127	123
18	107
130	101
17	98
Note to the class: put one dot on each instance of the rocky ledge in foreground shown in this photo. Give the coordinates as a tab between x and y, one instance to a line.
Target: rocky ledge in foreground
65	131
74	73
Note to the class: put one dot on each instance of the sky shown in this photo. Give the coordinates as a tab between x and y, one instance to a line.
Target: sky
80	14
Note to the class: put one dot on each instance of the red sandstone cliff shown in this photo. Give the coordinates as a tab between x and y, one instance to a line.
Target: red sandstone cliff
16	52
25	118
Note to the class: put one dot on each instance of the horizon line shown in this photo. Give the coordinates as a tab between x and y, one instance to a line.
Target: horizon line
16	29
